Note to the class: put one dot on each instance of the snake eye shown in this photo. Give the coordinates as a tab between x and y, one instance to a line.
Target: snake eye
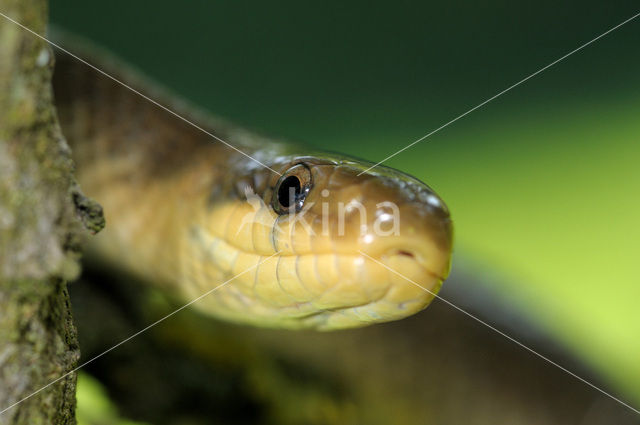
292	189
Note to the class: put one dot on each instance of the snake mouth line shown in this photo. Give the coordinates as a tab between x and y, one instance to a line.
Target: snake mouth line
209	241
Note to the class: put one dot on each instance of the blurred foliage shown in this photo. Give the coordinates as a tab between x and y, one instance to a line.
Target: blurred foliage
94	406
543	182
194	370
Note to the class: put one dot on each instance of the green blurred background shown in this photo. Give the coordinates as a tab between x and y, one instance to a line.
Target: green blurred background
543	182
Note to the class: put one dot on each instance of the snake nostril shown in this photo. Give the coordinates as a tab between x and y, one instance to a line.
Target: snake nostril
406	253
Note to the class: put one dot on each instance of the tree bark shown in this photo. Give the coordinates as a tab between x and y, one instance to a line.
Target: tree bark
42	218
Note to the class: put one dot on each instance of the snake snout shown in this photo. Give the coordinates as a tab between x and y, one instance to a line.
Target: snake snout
424	237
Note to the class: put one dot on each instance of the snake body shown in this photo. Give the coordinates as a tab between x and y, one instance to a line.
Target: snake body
193	216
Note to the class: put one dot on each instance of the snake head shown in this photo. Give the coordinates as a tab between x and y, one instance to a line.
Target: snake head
343	246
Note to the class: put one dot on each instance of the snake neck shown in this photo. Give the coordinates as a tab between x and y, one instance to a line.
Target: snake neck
150	169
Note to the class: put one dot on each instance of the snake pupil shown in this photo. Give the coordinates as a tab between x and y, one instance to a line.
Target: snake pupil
289	191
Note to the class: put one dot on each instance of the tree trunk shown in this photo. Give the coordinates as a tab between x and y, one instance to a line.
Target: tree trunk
42	214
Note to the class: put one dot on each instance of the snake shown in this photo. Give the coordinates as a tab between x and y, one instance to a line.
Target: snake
275	234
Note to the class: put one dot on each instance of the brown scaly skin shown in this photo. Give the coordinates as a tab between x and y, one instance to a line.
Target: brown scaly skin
188	213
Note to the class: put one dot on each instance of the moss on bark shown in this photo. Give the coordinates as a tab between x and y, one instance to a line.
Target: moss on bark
42	214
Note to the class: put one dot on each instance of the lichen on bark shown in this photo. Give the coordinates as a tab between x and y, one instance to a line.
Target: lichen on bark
43	216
